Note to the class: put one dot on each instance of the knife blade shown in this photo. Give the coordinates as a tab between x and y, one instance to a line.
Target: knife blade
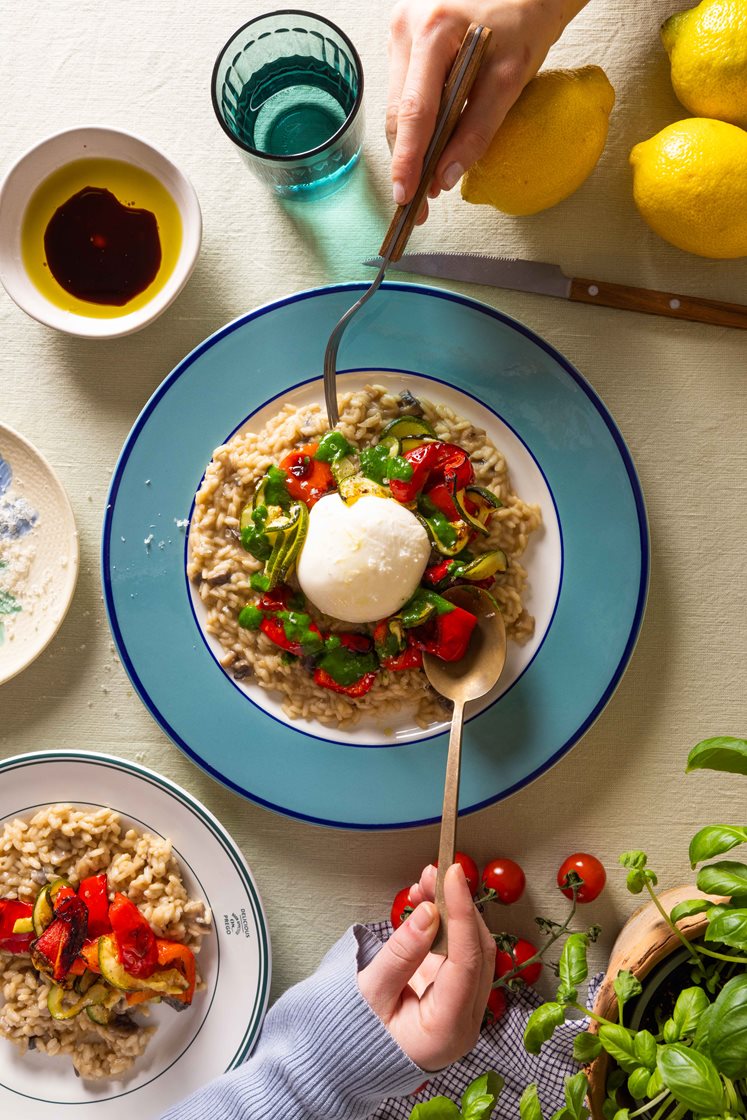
546	279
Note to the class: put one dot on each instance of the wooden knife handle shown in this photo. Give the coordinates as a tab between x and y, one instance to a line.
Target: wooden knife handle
711	311
394	246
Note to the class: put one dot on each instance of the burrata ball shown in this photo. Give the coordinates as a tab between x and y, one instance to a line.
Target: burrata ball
361	562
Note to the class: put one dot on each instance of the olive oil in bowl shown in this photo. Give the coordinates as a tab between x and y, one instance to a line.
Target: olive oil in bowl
100	237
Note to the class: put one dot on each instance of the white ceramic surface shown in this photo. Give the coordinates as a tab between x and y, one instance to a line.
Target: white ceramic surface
220	1028
34	603
37	164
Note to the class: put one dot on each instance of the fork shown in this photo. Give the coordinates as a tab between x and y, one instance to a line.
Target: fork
456	91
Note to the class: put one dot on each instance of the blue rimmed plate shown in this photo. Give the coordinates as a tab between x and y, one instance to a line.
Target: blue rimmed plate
220	1029
588	568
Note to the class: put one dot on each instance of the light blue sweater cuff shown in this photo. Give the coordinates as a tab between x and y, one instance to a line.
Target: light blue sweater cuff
323	1054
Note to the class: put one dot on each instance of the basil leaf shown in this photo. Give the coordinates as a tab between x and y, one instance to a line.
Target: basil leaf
437	1108
633	860
655	1085
541	1026
727	1029
701	1040
575	1091
619	1043
622	1114
730	927
572	967
722	753
690	1005
714	840
480	1097
586	1047
725	877
638	1083
692	1078
609	1109
644	1046
689	907
626	987
529	1105
670	1032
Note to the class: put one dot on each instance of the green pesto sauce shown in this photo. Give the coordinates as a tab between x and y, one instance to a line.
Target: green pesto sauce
276	493
250	617
333	446
297	628
378	465
346	667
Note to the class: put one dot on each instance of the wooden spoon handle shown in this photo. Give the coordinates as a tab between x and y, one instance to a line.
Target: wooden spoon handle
456	91
626	298
447	841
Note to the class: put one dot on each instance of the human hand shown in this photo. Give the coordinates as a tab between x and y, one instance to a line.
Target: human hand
431	1005
425	36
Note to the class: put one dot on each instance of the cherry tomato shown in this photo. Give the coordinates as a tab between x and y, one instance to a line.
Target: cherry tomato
469	867
505	877
401	900
523	950
589	869
496	1007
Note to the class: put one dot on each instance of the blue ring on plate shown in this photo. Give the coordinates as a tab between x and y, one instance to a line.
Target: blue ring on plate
483	309
421	738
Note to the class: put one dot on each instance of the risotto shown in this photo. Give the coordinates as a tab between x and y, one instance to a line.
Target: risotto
61	842
221	569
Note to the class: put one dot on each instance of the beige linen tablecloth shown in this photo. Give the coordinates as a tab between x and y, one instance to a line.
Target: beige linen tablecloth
678	392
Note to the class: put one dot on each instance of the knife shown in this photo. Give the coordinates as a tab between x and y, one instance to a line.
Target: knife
550	280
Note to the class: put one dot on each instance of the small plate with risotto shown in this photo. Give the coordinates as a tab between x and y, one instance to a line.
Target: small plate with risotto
272	585
134	956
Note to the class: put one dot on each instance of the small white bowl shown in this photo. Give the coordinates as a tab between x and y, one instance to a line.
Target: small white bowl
34	167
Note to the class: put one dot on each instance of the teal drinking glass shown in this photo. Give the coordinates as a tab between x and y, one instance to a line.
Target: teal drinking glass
288	90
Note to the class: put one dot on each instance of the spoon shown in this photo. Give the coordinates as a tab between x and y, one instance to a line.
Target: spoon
461	681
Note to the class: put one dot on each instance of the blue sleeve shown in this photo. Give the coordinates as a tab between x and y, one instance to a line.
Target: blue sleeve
323	1054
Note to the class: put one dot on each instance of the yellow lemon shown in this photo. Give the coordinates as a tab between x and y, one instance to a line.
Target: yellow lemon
707	47
548	144
690	184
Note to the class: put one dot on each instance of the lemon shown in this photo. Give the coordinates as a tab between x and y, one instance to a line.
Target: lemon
707	47
548	144
690	184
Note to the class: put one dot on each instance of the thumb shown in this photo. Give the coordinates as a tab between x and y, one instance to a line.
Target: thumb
382	982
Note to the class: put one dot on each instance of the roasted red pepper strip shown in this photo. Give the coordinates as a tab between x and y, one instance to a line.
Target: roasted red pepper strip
13	910
358	643
277	599
95	893
447	636
172	954
89	954
308	479
137	950
432	464
275	631
359	688
410	658
443	499
58	947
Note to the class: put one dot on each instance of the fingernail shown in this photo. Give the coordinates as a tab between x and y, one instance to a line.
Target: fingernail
452	175
423	916
398	191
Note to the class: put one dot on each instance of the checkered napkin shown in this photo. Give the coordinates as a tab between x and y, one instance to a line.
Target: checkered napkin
500	1047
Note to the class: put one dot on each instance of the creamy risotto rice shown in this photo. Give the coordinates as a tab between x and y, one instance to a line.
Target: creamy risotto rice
61	841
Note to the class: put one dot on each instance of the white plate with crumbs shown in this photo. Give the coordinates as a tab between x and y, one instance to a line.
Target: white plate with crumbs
38	553
162	848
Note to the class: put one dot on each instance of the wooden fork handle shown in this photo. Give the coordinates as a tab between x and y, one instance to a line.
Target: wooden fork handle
711	311
398	234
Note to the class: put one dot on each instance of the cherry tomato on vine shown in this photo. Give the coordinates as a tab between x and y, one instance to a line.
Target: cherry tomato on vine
523	950
587	868
496	1006
401	900
469	867
505	877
